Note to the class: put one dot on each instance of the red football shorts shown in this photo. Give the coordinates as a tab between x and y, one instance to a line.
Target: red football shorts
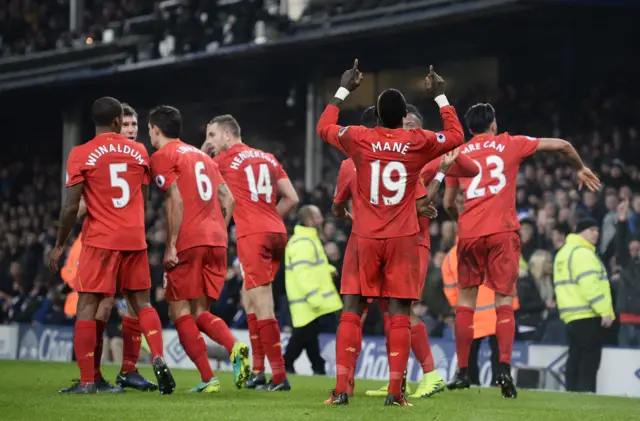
99	270
350	281
200	271
423	254
260	256
389	268
493	258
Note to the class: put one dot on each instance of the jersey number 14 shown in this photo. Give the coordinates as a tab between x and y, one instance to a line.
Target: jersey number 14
262	186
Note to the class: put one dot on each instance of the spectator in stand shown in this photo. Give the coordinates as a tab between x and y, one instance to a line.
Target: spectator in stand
628	258
535	293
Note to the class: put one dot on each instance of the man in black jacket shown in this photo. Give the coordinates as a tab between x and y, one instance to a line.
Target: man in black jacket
628	258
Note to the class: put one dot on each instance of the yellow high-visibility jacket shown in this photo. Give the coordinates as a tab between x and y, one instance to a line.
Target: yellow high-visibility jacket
580	281
309	278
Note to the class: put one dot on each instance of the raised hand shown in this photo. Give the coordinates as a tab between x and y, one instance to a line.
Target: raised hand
448	159
351	78
433	83
588	179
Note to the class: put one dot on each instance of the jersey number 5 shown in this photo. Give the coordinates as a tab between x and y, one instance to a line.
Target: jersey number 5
263	186
398	186
121	183
496	173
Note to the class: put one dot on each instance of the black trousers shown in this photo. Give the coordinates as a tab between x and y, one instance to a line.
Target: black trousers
473	370
305	338
586	337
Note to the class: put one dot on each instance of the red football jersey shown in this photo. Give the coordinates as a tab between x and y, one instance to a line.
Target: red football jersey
251	175
490	196
198	179
461	167
347	185
388	163
113	169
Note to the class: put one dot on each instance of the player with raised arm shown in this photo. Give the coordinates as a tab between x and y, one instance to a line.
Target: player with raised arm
488	241
196	253
388	161
131	332
432	175
111	173
255	179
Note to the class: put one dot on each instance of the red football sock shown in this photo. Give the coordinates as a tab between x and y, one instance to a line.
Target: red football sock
464	334
505	332
215	328
97	354
270	337
387	328
131	342
84	344
354	363
152	328
399	350
421	348
346	345
194	345
257	352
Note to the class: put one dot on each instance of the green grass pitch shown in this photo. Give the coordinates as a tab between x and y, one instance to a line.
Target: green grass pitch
29	391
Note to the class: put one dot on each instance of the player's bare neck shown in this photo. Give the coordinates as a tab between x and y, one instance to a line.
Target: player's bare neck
232	142
103	130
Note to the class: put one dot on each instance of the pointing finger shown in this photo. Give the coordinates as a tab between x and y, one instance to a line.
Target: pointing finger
355	64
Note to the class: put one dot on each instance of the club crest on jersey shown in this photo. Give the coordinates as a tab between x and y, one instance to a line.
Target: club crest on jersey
441	138
160	181
343	130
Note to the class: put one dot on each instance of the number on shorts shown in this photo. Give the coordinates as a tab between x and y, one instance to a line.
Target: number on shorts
496	173
398	186
205	189
263	186
121	183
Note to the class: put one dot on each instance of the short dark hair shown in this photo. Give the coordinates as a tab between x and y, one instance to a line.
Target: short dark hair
392	108
128	110
562	228
104	110
369	118
412	109
229	122
479	117
167	119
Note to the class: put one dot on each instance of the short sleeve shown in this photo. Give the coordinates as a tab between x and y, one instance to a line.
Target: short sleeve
147	171
217	177
280	172
527	145
164	170
451	182
74	168
429	171
343	193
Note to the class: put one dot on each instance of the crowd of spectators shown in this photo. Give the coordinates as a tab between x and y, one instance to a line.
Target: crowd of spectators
601	127
175	26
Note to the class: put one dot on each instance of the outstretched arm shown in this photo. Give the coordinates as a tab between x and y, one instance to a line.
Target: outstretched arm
585	176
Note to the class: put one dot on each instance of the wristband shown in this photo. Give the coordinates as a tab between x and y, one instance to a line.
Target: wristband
441	100
342	93
439	177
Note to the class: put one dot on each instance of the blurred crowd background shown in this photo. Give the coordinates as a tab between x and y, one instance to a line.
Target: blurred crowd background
600	116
